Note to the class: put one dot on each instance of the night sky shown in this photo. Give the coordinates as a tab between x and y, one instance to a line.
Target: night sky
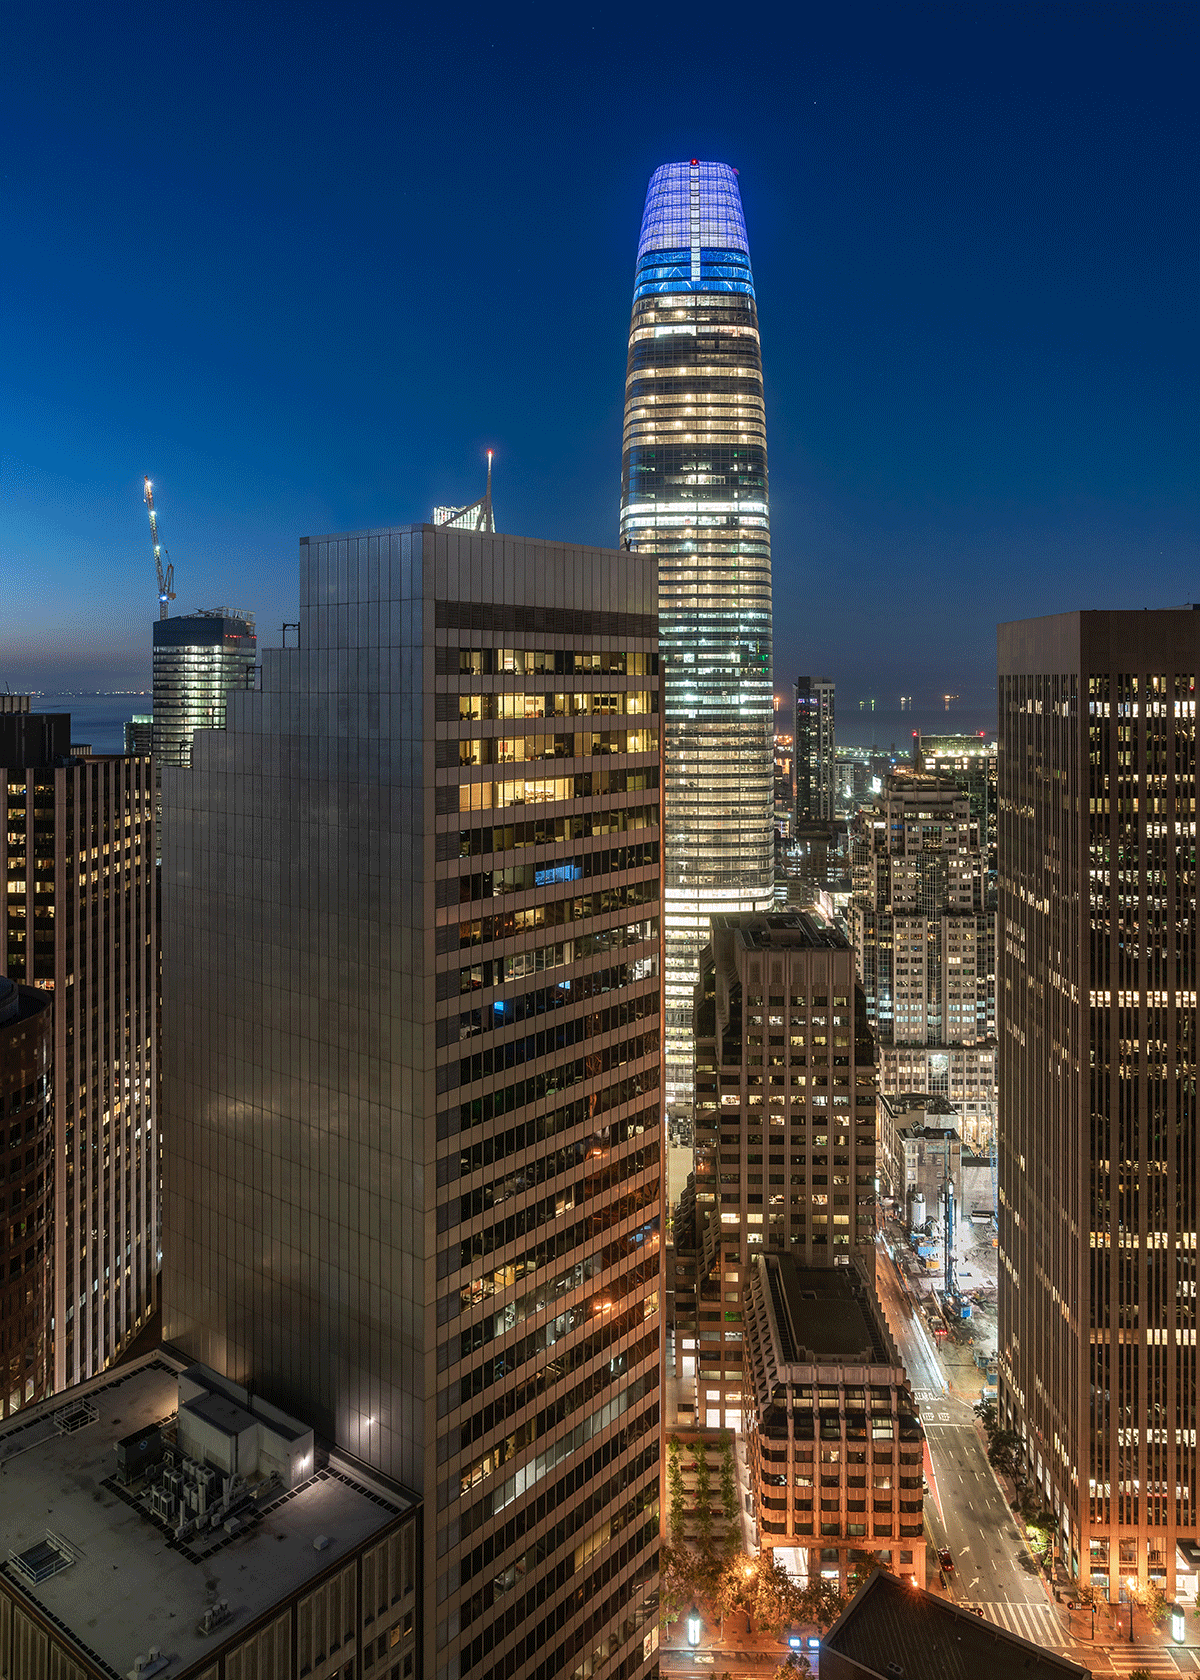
303	265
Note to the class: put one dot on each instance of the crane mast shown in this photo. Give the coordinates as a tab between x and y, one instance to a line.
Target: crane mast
166	580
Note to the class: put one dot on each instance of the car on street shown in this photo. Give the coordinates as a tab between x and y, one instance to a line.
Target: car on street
946	1561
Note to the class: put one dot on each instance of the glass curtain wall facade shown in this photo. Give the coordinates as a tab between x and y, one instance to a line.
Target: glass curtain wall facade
197	660
816	754
694	492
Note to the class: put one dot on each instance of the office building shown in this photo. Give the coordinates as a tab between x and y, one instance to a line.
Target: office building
26	1195
834	1442
79	919
156	1520
888	1631
694	494
815	757
784	777
1098	1048
785	1124
139	733
925	944
415	1104
970	762
198	659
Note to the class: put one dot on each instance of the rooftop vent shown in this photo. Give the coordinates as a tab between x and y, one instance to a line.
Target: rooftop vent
76	1416
48	1557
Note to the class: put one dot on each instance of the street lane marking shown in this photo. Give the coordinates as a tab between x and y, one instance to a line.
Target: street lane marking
1035	1622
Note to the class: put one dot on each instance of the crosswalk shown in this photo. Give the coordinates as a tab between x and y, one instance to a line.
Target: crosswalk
1035	1622
1156	1662
1041	1626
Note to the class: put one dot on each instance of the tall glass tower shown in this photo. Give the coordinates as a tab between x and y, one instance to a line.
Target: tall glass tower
694	492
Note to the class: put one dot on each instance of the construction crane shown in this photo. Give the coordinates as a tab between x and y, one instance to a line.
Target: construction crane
166	580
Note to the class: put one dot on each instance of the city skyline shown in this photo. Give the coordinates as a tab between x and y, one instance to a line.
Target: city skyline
979	350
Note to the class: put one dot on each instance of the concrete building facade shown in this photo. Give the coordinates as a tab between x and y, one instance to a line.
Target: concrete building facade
79	919
415	1106
926	944
834	1441
785	1124
26	1195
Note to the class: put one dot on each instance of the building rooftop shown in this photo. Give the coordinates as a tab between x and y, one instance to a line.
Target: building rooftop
19	1004
782	930
924	1102
898	1632
826	1319
83	1546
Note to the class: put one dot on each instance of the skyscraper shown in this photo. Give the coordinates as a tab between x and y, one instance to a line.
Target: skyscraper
26	1195
415	1102
198	659
79	918
815	755
694	493
926	945
1098	1052
970	763
785	1124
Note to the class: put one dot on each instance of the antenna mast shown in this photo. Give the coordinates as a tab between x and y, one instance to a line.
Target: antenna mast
166	581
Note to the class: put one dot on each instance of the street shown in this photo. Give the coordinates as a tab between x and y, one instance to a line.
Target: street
966	1511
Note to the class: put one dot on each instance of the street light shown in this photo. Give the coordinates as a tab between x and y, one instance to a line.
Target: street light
693	1626
1131	1582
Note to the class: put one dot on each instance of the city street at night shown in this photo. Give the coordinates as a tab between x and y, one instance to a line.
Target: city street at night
966	1512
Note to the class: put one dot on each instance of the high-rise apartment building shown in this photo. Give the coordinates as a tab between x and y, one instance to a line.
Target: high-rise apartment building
925	945
694	494
198	659
1098	1053
970	762
415	1104
815	756
79	919
785	1125
26	1195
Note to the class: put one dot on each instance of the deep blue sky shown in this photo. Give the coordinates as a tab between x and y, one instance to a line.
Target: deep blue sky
303	265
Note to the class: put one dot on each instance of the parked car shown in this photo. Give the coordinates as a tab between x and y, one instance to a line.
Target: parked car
946	1561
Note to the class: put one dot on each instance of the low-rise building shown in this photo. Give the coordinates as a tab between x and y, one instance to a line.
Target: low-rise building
922	1142
889	1631
160	1520
834	1445
920	1146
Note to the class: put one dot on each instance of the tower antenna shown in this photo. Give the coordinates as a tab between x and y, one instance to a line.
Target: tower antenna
166	581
